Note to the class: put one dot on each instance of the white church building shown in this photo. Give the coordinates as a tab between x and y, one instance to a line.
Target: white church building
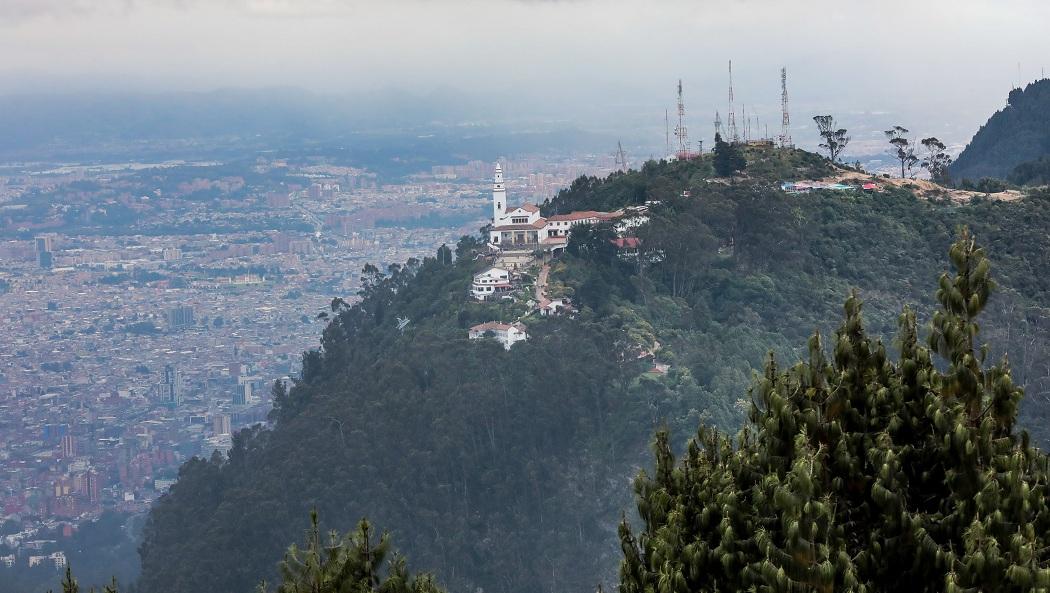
522	227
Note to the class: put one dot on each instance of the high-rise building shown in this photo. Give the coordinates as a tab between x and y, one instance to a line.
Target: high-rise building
243	395
180	316
220	424
45	243
172	386
44	251
54	432
93	487
69	446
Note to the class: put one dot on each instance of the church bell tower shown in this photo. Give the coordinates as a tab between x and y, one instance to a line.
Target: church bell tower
499	196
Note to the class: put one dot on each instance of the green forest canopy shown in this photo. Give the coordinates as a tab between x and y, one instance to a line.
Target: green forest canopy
504	470
852	474
1012	141
858	473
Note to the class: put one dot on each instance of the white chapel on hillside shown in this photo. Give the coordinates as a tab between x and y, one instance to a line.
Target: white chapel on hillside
522	227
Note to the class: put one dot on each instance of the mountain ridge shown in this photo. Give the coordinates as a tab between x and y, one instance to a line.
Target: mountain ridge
1017	134
505	470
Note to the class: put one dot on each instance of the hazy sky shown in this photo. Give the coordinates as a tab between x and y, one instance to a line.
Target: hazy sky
945	62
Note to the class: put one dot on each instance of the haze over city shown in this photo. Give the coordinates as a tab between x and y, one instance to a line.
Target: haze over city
524	296
507	57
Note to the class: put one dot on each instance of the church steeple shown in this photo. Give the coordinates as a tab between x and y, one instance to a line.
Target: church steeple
499	196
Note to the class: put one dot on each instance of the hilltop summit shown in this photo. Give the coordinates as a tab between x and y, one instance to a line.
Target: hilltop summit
1017	134
501	464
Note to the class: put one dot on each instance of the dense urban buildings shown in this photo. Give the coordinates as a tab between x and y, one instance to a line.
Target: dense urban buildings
147	309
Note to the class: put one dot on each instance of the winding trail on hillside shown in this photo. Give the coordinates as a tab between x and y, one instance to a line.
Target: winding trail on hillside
541	284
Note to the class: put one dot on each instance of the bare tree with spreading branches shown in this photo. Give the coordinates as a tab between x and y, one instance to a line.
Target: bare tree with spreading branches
898	137
835	139
937	160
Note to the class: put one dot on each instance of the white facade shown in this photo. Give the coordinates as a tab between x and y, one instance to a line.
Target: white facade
491	282
548	307
523	227
56	559
504	333
499	195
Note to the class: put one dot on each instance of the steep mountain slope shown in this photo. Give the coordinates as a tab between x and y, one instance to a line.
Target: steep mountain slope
859	471
508	470
1017	134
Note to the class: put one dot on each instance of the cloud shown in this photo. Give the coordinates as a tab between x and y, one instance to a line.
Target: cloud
22	9
19	10
28	9
843	56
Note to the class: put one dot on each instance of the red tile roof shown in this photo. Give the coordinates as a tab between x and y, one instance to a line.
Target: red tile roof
586	214
626	242
528	208
490	325
496	326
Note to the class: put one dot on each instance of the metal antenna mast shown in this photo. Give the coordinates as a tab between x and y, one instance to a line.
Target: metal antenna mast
733	137
747	124
785	123
680	132
621	157
667	134
718	124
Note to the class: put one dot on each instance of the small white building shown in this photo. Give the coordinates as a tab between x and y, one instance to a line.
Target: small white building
56	559
548	307
507	334
492	282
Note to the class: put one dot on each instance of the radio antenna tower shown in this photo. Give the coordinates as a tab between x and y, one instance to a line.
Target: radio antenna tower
667	134
733	137
747	124
718	124
680	132
621	157
785	123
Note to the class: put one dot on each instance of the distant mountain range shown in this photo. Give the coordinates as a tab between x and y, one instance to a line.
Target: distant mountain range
1013	136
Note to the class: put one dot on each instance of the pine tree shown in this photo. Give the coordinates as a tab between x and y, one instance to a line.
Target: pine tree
728	159
70	585
444	255
352	563
857	473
